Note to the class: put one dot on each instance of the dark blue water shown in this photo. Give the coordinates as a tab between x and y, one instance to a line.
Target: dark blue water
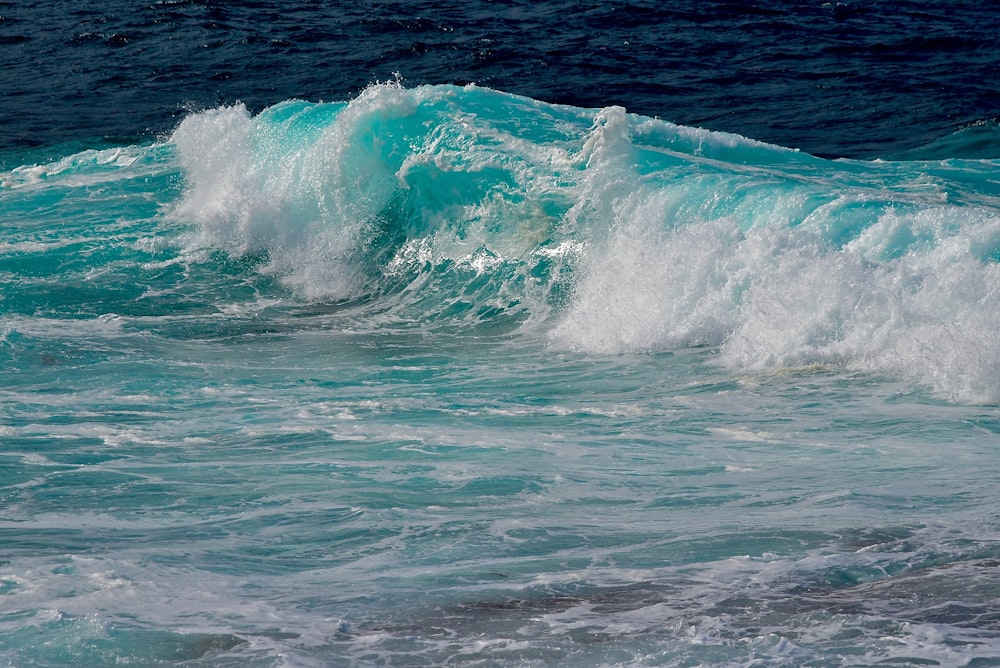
858	79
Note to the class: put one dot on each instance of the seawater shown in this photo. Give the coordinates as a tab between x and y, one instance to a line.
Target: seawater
445	375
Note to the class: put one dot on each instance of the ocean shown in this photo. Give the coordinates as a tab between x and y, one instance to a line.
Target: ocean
507	333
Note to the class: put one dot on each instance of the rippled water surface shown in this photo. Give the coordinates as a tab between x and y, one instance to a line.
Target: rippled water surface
600	334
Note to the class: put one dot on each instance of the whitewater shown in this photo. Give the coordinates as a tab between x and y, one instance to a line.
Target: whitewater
446	375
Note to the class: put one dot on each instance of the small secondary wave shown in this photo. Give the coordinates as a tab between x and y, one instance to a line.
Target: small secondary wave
618	232
978	140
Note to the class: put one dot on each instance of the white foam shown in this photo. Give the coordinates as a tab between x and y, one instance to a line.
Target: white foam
103	326
776	296
89	167
255	186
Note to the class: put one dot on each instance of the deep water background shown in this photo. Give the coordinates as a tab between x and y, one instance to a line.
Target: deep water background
855	79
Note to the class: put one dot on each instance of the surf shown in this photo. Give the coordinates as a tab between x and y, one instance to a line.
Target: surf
470	210
617	232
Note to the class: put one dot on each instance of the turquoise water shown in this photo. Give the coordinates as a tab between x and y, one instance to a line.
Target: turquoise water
443	375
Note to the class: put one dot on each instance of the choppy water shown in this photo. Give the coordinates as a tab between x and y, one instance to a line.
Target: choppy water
441	374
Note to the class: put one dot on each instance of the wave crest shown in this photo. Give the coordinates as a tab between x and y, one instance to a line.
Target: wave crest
620	233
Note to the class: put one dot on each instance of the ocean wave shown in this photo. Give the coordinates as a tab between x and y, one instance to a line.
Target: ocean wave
621	233
597	230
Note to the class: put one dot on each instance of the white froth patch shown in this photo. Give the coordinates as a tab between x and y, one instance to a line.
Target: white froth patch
743	434
915	295
248	200
86	168
104	326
